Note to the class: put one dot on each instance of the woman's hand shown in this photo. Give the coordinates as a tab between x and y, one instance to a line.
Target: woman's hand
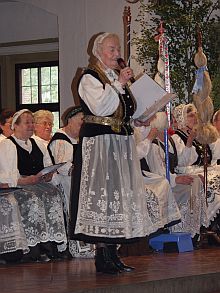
4	185
152	134
184	179
125	75
30	180
147	122
47	177
192	135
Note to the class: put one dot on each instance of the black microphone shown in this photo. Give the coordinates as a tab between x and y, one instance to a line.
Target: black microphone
122	65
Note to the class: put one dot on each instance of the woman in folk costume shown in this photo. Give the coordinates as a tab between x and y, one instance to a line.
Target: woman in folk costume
186	117
162	205
5	123
43	126
187	189
39	201
62	148
108	204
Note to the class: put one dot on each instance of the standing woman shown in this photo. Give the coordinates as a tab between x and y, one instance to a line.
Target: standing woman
108	204
5	123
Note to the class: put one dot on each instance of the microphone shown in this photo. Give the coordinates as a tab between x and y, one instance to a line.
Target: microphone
122	65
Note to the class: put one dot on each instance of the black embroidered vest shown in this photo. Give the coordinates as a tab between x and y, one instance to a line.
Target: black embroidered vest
199	149
29	164
127	107
61	136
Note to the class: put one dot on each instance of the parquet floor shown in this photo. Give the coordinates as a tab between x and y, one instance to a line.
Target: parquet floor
78	275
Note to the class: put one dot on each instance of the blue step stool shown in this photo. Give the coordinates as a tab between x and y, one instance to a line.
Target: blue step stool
179	242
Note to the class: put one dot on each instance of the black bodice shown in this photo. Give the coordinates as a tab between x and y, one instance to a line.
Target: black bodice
29	163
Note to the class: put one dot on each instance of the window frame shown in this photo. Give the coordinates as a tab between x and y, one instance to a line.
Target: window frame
53	107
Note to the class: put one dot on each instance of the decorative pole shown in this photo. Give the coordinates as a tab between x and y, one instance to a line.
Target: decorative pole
127	34
206	132
205	154
163	79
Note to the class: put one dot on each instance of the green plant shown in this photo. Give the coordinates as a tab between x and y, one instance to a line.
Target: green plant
181	21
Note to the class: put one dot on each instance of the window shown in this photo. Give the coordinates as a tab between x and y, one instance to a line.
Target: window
37	87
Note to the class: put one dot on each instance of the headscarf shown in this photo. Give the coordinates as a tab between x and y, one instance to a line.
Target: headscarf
98	41
17	115
180	114
70	112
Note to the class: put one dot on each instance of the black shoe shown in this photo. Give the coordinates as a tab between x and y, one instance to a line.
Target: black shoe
65	255
213	239
44	258
104	263
33	255
114	256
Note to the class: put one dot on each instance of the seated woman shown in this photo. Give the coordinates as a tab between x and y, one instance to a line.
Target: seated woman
39	201
62	148
13	241
5	123
186	118
187	189
161	203
43	124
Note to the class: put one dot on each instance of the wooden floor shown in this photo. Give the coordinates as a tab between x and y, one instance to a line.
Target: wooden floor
197	271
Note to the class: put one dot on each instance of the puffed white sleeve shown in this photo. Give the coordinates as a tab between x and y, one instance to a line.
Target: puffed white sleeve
100	101
143	148
62	151
186	155
48	162
8	163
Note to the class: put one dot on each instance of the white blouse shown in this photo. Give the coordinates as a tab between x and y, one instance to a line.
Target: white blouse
156	162
186	155
45	142
215	148
63	152
2	137
101	102
143	144
8	159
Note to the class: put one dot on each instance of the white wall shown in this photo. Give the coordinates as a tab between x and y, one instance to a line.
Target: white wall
22	22
78	20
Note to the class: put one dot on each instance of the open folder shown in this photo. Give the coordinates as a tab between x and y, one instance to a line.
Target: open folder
150	97
51	168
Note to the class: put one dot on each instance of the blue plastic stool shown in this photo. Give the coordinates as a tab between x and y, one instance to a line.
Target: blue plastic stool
182	242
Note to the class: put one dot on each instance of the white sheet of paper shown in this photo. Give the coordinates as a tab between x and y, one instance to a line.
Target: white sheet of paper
51	168
150	97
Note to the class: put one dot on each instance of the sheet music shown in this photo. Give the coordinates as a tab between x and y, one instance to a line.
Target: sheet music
150	97
51	168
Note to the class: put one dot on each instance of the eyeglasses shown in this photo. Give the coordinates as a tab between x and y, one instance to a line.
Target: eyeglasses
45	123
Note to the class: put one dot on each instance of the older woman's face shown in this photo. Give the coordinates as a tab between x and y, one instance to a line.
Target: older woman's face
6	128
75	124
25	128
191	119
43	128
110	52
